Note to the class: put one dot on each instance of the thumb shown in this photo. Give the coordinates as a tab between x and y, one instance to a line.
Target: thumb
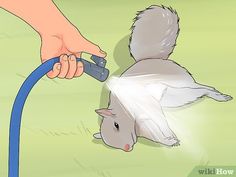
93	49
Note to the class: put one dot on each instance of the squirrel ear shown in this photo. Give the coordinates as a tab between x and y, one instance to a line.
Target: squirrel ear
97	135
104	112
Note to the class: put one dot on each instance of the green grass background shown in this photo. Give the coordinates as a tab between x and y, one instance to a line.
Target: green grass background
59	118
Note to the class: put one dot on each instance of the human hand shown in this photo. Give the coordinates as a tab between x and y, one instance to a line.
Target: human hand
58	36
69	45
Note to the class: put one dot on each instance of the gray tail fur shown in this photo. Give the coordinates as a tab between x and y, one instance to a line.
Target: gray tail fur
154	33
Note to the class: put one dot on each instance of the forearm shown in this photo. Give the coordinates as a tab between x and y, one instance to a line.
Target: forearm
42	15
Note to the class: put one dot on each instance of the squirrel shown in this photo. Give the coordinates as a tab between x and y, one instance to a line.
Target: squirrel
153	82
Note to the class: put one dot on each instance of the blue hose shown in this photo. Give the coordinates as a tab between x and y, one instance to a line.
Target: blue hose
94	70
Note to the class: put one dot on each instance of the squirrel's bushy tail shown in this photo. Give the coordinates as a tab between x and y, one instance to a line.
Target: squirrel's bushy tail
154	33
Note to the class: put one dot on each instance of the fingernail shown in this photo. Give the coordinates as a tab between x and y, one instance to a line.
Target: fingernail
72	58
80	64
101	51
65	57
58	66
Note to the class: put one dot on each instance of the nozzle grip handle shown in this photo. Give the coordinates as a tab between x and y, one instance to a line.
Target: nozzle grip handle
97	72
99	61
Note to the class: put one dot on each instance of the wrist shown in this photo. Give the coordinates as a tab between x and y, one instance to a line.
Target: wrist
54	23
56	28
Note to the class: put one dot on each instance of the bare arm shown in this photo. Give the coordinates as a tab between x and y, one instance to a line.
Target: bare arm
42	15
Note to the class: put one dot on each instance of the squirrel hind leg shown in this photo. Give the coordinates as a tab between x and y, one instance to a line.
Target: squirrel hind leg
178	97
218	96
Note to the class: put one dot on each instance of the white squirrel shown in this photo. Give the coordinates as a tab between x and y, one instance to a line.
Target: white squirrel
152	83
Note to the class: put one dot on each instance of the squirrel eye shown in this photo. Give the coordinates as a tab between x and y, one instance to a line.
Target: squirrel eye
116	125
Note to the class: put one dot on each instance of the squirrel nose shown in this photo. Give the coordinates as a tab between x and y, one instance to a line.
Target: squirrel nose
127	148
